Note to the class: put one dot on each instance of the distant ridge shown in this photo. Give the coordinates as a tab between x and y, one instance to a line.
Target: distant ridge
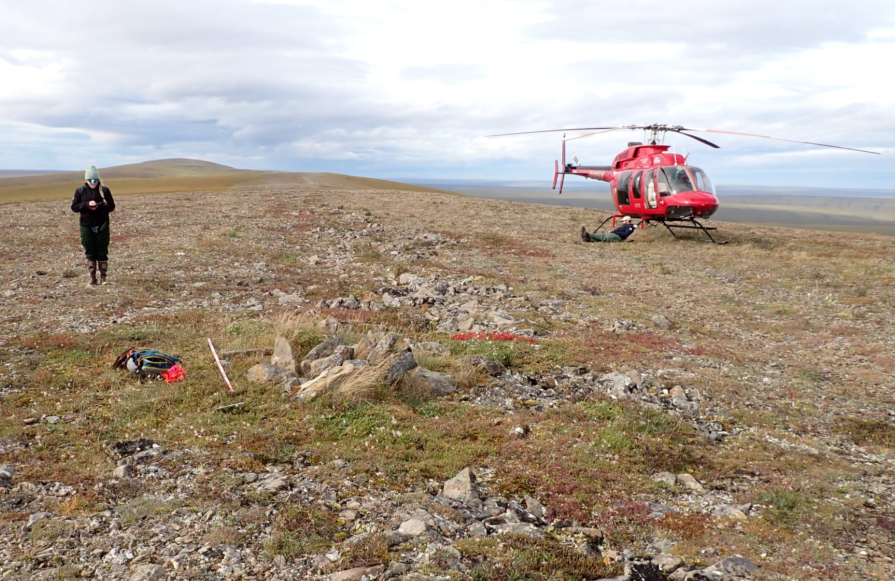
185	175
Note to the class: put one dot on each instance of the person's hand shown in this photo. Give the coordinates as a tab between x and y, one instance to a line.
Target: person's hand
91	204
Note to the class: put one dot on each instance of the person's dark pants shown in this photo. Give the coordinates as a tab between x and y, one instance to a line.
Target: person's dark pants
96	244
604	237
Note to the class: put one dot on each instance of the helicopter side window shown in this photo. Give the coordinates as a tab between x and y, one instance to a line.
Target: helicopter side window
650	187
635	185
622	190
664	188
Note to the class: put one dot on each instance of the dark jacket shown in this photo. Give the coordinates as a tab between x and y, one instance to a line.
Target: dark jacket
92	218
624	230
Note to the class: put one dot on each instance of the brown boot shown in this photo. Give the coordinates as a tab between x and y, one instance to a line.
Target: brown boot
103	268
91	268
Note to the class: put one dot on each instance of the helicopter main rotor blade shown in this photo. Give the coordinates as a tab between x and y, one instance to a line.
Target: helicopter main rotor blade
572	129
587	134
779	139
706	141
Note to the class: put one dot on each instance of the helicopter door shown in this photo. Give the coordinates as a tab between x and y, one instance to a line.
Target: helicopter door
622	189
650	186
635	188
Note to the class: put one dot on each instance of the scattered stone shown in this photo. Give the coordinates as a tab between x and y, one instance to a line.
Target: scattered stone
429	349
51	419
520	528
262	373
412	527
148	573
667	563
123	471
665	478
690	483
30	421
131	447
401	365
727	511
661	321
460	487
432	382
382	348
534	507
282	354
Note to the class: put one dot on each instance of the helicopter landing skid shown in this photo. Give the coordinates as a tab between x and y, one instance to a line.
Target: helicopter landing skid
694	225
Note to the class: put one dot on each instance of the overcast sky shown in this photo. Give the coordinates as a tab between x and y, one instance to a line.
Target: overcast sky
410	88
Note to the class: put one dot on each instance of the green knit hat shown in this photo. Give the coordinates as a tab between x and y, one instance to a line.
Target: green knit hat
91	173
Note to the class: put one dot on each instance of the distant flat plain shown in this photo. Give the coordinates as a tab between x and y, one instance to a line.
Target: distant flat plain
837	210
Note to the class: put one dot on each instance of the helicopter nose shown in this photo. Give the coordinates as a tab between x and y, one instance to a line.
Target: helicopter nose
693	204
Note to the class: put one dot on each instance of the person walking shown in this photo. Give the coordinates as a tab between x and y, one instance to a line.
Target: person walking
94	202
617	235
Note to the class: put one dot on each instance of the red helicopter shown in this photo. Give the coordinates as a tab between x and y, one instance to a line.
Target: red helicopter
649	182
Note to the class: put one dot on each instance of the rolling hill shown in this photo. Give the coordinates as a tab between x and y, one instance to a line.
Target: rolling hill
179	175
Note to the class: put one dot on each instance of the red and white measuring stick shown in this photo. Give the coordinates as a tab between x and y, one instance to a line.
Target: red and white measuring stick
221	367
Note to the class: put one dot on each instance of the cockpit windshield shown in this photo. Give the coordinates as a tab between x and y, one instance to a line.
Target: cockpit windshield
678	178
702	180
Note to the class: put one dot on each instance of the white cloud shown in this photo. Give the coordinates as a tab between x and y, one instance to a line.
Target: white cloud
404	88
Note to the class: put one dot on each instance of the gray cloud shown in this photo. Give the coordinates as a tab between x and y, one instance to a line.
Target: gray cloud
274	85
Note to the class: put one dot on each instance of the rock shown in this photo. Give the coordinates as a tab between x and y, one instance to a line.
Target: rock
123	471
661	321
363	347
460	487
382	348
667	563
534	507
430	349
677	392
357	573
727	511
37	516
262	373
731	568
282	354
413	527
52	419
690	483
7	471
395	569
342	354
665	478
274	484
407	279
592	535
329	325
477	529
520	528
148	573
131	447
619	385
30	421
465	324
147	456
520	432
290	299
311	389
401	365
432	382
501	318
324	349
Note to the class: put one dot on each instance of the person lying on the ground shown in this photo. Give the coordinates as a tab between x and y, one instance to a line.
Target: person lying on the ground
617	235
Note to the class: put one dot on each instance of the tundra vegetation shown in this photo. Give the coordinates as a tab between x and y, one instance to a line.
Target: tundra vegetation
756	419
